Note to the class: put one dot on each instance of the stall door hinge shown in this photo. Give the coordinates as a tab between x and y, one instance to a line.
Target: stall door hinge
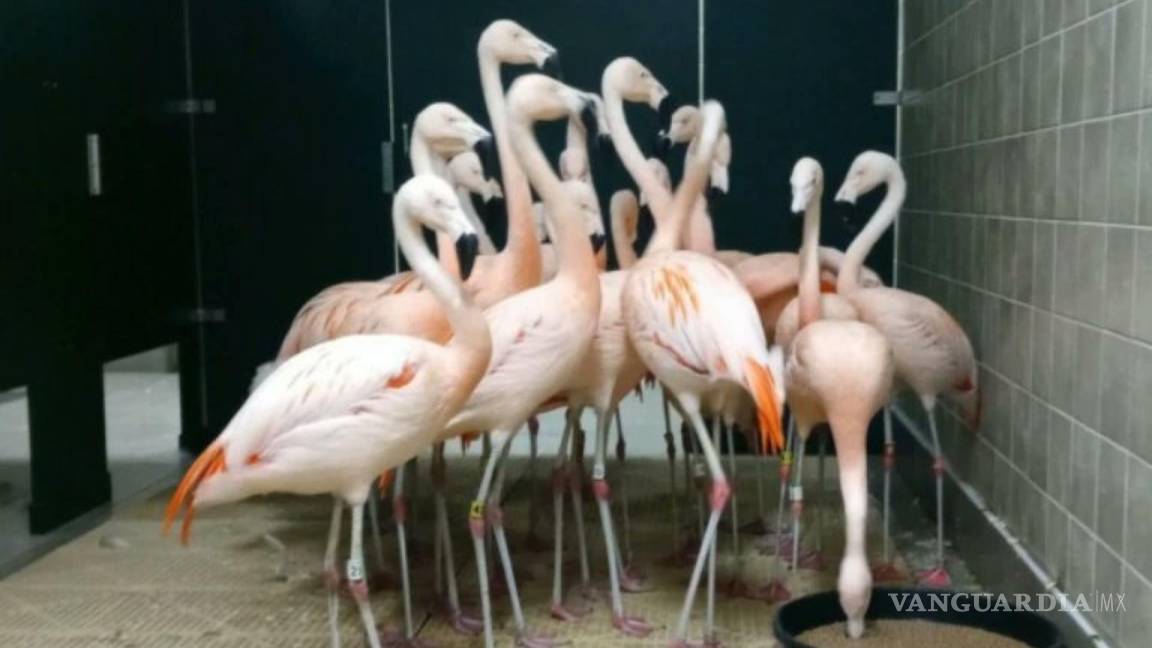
897	97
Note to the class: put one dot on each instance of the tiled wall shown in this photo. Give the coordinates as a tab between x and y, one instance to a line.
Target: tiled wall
1029	217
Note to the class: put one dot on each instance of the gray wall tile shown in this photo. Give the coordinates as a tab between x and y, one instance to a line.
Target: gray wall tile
1059	456
1006	27
1081	559
1098	65
1072	82
1117	406
1123	168
1144	208
1044	265
1120	266
1032	18
1128	73
1056	523
1042	354
1111	496
1081	500
1136	623
1109	575
1049	90
1088	283
1143	302
1053	18
1139	531
1068	180
1086	386
1074	11
1094	178
1141	430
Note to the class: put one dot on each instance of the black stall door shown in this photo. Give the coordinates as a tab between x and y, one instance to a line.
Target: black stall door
289	176
89	271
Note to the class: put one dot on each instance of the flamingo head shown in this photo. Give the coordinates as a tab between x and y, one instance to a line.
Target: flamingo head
807	183
509	42
684	124
590	214
431	201
448	130
869	170
467	172
541	98
634	82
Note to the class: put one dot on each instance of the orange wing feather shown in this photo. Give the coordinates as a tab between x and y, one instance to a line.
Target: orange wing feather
763	389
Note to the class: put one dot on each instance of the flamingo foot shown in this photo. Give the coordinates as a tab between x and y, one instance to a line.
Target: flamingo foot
887	572
394	638
773	592
632	626
937	577
465	624
527	640
574	612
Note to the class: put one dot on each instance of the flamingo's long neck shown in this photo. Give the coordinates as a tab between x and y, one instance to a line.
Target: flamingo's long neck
810	262
521	240
659	198
423	162
621	238
849	278
670	233
575	259
486	245
471	329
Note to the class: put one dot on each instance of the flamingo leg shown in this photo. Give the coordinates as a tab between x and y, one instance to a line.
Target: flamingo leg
854	580
400	516
630	626
533	501
670	447
460	622
937	577
331	575
735	507
717	500
621	459
886	570
576	490
775	590
374	523
477	526
559	484
355	573
796	496
496	519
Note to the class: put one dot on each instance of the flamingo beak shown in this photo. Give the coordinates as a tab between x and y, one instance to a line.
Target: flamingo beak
598	241
485	149
551	66
467	247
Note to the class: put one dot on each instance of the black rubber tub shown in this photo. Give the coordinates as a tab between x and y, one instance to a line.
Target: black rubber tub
816	610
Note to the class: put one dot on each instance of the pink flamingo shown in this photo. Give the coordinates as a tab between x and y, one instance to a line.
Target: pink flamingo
838	372
540	336
467	175
333	417
517	266
624	215
696	329
933	356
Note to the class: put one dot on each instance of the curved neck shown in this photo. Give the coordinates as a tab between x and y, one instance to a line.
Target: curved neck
849	278
622	239
809	288
670	233
422	160
573	251
517	196
467	321
486	245
659	198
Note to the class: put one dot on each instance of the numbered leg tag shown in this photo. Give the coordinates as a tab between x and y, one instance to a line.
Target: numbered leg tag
597	472
355	570
797	493
476	511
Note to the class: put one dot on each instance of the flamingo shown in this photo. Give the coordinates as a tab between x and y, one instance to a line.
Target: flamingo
333	417
695	327
517	266
839	372
593	221
933	356
624	215
540	336
467	174
683	128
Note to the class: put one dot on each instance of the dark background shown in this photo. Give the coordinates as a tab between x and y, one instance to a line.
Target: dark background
244	212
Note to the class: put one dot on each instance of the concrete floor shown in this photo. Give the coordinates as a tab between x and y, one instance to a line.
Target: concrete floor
142	413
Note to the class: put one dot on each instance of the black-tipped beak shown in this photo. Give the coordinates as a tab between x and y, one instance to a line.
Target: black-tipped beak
598	241
551	67
486	150
667	107
662	146
467	247
589	118
714	199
